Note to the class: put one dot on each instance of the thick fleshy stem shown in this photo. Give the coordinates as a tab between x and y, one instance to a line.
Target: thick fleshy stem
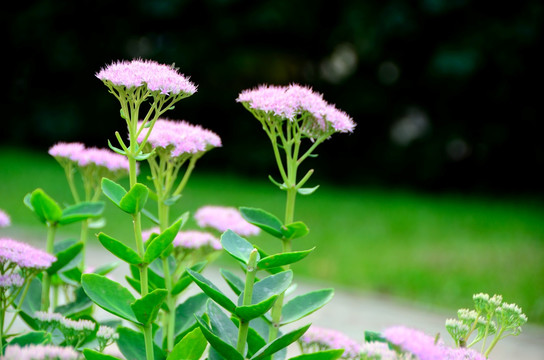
46	279
243	328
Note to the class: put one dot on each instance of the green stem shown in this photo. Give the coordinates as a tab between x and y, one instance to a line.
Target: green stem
187	174
2	317
70	177
46	279
170	319
494	342
248	295
144	286
83	238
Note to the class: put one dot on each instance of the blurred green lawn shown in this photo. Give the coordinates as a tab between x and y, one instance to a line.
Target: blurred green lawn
438	250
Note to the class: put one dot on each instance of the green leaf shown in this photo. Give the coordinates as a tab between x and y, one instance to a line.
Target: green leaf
81	304
98	223
109	295
147	308
113	191
106	268
132	345
282	259
235	283
307	191
31	302
332	354
371	336
161	242
185	312
221	324
32	338
295	230
212	291
264	220
281	186
141	156
185	280
117	150
95	355
238	247
81	211
223	348
119	249
134	200
150	216
264	295
191	347
304	305
64	257
280	343
47	209
172	200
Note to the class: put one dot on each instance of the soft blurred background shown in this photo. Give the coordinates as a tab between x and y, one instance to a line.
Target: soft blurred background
435	196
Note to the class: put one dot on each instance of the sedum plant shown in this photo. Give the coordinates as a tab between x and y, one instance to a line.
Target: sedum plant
253	319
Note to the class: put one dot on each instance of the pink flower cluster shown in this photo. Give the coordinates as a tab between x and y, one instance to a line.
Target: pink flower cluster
224	218
294	100
40	352
14	253
380	350
84	157
10	280
156	77
424	346
180	137
330	339
5	221
194	239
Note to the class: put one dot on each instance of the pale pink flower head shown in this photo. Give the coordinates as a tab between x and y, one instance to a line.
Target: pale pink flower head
14	253
425	347
180	137
224	218
40	352
164	79
5	220
11	280
322	338
194	240
295	101
102	158
414	341
66	151
378	350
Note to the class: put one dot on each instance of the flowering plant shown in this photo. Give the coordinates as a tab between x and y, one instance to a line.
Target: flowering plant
250	321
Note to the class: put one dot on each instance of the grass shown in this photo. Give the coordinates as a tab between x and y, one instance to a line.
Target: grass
434	249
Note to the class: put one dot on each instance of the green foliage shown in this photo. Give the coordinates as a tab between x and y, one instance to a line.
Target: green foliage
160	243
109	295
282	259
147	308
280	343
132	345
64	257
119	249
238	247
190	347
303	305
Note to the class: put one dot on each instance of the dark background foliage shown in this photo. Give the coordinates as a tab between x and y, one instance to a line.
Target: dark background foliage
445	92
